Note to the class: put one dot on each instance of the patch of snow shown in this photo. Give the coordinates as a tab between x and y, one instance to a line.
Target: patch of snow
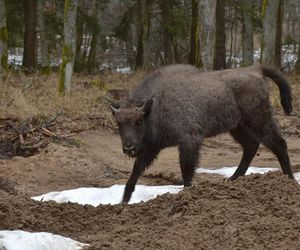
112	195
21	240
228	171
124	70
297	177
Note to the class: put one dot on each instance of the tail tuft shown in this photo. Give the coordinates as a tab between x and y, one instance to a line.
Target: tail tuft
283	85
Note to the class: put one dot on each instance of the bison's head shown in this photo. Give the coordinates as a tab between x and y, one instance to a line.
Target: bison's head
130	117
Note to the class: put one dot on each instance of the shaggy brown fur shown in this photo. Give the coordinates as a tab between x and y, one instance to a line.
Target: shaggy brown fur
179	105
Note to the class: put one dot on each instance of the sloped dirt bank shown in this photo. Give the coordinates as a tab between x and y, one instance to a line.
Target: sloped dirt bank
255	212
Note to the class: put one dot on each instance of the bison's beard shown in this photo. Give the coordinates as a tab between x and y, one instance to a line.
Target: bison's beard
133	154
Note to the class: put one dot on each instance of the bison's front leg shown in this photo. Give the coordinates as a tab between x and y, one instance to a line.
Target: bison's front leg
143	160
189	156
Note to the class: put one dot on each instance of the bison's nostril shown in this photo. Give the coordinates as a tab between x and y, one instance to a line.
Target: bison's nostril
129	149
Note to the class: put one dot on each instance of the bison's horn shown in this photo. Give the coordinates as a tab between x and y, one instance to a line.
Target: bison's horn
112	104
146	107
113	109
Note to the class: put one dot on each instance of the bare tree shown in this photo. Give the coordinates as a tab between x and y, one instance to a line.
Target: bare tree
269	15
143	29
147	4
91	61
247	31
220	50
167	38
78	61
297	66
3	39
194	57
278	41
207	13
69	46
43	41
29	56
139	31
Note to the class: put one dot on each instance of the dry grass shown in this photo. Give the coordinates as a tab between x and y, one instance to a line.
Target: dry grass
23	97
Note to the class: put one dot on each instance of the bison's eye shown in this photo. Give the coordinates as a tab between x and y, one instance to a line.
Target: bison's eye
139	122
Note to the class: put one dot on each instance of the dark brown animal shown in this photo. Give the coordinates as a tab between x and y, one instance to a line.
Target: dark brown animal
179	106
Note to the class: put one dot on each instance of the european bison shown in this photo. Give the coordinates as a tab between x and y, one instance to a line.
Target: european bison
179	105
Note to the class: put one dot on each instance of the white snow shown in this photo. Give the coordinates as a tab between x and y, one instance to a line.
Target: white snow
124	70
112	195
297	176
21	240
228	171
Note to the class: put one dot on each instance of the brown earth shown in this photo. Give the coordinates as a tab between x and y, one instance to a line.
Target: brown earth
255	212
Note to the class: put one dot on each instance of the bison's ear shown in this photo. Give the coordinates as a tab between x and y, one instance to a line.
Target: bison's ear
147	106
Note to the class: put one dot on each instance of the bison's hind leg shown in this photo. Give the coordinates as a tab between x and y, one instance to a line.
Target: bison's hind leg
189	157
273	140
250	143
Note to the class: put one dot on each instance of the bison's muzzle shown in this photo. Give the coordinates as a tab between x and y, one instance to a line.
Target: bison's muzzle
130	150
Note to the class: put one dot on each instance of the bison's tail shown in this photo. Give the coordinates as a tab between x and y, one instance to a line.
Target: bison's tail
283	85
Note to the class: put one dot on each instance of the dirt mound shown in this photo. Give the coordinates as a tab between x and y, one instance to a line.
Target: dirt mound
255	212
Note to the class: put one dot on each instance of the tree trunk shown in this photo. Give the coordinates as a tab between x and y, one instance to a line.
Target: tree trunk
247	32
207	13
176	52
79	38
146	33
220	50
297	66
269	14
29	55
139	31
3	40
166	22
232	25
69	46
43	41
95	39
143	28
279	35
194	57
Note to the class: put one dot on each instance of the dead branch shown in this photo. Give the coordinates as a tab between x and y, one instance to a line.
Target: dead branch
48	132
52	119
21	139
26	127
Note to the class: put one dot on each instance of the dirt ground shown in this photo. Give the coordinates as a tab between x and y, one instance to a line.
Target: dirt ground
255	212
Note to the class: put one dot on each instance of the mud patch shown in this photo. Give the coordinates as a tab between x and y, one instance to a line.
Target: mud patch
7	186
164	178
256	211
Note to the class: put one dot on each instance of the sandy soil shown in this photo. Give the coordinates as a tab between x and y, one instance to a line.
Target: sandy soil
255	212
